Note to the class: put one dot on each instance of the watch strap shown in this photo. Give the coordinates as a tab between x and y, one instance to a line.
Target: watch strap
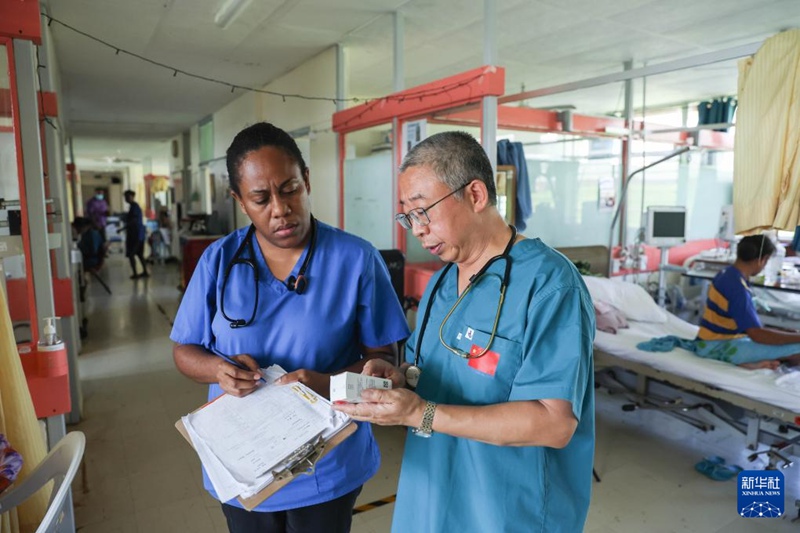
425	429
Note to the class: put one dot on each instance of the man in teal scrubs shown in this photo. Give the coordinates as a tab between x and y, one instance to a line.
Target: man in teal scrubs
504	385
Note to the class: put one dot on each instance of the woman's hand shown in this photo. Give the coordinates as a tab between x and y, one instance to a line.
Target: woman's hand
384	369
396	407
316	381
235	381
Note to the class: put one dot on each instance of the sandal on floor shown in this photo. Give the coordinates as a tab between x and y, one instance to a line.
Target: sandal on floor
725	472
716	469
707	465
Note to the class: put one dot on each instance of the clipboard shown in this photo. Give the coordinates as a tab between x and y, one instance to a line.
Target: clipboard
303	461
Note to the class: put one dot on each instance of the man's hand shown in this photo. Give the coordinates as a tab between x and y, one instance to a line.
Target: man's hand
396	407
384	369
316	381
235	381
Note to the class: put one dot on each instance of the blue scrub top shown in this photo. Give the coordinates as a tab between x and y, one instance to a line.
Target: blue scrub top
544	342
349	301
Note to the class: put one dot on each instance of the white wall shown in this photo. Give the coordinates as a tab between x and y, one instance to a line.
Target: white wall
232	118
316	76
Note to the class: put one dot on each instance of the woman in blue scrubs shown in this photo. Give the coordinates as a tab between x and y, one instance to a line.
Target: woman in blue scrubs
292	291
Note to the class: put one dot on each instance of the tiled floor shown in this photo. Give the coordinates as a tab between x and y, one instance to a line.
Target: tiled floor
142	477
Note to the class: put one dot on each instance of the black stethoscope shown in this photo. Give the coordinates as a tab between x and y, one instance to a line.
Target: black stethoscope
414	371
297	285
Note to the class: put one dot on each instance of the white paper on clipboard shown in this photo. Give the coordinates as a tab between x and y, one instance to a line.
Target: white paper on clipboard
242	441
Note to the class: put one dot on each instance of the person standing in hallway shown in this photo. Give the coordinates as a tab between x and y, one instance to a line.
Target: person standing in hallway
293	291
134	235
501	358
97	210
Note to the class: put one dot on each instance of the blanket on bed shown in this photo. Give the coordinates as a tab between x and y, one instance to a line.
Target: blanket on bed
736	351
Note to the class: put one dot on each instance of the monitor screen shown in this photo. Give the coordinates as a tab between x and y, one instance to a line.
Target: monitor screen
666	226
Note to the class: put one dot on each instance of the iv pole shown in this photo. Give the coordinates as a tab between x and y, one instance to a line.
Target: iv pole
622	200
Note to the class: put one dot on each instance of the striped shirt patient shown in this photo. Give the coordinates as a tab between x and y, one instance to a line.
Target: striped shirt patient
730	329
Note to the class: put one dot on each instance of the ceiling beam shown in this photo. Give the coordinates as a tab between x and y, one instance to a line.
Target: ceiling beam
651	70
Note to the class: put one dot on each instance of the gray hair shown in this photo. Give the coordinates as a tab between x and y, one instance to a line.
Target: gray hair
456	158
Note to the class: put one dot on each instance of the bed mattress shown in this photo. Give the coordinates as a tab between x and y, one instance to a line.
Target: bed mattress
768	386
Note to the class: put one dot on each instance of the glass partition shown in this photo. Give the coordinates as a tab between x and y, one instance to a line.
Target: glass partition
14	275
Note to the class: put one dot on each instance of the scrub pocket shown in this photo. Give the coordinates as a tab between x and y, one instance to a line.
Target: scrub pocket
494	371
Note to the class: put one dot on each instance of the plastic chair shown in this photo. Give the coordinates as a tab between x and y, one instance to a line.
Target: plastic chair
60	466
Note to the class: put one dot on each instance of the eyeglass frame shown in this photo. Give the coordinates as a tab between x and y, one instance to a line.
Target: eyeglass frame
406	220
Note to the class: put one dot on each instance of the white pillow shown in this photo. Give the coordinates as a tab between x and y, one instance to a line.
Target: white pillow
629	298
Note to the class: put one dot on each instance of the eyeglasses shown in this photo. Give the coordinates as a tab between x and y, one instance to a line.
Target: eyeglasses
419	215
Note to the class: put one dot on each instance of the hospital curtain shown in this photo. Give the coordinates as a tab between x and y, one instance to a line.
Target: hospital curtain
18	422
766	175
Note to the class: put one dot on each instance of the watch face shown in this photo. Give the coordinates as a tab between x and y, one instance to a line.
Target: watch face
423	434
412	375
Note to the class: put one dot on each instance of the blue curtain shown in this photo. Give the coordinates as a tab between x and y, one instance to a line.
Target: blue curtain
513	153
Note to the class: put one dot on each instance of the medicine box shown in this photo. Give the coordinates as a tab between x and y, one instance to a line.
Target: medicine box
347	386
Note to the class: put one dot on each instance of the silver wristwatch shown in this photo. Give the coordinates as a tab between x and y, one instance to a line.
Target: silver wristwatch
425	429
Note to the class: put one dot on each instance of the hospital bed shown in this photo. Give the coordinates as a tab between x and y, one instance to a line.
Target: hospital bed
764	405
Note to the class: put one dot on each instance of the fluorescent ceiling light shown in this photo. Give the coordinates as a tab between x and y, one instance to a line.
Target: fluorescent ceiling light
228	11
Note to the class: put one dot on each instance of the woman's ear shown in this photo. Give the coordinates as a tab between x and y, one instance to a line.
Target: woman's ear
239	201
307	180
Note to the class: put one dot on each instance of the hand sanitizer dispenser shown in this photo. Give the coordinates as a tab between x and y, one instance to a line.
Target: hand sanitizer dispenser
51	360
46	368
50	338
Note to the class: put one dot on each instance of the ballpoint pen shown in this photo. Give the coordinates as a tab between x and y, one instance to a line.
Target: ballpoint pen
237	364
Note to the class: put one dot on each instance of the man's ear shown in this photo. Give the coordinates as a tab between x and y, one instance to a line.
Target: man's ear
478	195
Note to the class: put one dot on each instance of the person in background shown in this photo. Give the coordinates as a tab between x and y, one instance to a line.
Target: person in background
324	304
503	409
97	210
90	243
160	239
134	235
730	329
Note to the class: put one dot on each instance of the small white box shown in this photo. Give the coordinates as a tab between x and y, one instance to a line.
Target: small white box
347	386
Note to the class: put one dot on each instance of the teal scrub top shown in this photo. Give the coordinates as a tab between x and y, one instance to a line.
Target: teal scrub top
543	350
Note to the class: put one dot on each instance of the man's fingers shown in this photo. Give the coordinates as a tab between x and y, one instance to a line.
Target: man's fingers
373	395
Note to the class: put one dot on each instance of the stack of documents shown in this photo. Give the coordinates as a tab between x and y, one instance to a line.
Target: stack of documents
244	443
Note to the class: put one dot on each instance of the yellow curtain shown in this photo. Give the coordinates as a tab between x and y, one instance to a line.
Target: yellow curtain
766	172
18	422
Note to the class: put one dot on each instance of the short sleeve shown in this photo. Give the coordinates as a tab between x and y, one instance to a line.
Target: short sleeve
557	349
193	321
381	320
742	309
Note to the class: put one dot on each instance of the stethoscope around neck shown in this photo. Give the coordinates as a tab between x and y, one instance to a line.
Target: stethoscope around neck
297	284
473	280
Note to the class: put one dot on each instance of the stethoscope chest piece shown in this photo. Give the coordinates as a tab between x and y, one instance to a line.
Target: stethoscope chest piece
297	284
412	375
